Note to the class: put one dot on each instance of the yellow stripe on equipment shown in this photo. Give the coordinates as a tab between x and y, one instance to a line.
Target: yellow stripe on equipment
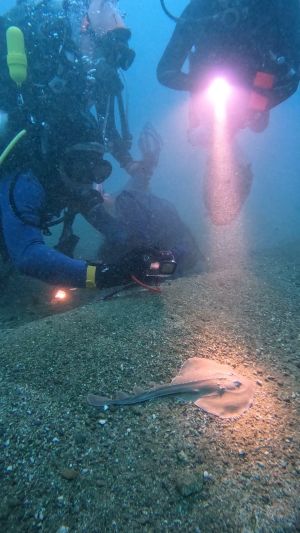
11	145
16	55
90	277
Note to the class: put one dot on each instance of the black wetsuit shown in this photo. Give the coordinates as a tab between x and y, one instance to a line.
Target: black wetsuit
151	222
209	38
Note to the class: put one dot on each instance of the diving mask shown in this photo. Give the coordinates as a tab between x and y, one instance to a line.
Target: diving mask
84	163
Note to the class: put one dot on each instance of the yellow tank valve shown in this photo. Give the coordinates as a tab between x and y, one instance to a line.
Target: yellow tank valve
16	55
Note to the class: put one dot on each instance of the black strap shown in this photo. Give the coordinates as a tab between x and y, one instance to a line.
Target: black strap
43	225
167	12
68	240
126	135
3	248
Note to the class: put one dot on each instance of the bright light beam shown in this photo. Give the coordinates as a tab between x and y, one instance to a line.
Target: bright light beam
218	94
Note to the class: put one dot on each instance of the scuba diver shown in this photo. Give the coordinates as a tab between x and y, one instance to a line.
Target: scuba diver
51	157
244	55
150	221
33	196
76	50
102	38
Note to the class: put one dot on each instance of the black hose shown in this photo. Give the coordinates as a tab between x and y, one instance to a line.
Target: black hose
167	12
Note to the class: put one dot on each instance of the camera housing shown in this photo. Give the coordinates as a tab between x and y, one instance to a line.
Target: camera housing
159	264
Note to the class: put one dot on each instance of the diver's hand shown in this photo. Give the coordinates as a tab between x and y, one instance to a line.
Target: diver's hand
139	169
131	264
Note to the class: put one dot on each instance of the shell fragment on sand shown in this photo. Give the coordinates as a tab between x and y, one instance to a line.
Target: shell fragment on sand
213	387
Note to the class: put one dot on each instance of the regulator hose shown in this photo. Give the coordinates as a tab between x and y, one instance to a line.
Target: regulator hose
167	12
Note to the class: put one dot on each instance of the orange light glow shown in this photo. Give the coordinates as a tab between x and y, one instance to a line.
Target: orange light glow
60	296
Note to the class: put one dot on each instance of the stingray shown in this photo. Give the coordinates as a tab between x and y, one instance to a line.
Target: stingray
213	387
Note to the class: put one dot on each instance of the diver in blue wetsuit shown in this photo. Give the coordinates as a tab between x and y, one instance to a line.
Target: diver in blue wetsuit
33	192
51	151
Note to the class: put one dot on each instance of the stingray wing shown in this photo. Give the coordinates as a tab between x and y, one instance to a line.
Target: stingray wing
233	399
232	403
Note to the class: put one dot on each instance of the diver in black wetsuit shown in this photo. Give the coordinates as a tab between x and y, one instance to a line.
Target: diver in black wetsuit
255	35
255	42
76	50
149	221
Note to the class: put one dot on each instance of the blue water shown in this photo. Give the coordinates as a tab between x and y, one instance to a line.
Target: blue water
130	466
272	212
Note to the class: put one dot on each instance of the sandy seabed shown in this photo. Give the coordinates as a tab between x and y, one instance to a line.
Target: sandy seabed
162	466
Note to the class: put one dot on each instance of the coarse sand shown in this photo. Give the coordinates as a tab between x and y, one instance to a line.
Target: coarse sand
163	466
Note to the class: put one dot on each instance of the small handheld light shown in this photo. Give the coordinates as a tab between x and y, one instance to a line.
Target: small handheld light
60	296
63	296
155	266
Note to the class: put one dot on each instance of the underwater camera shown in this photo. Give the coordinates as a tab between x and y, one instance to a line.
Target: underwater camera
159	264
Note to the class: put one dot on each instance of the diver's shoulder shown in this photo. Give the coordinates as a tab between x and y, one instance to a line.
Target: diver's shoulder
198	6
196	10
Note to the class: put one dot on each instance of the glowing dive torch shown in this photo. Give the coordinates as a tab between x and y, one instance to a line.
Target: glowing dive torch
218	94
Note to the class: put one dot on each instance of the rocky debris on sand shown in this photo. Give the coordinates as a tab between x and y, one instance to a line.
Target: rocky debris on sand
188	484
69	474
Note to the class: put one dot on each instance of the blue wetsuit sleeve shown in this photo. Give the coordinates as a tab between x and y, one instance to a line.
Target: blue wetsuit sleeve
24	240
